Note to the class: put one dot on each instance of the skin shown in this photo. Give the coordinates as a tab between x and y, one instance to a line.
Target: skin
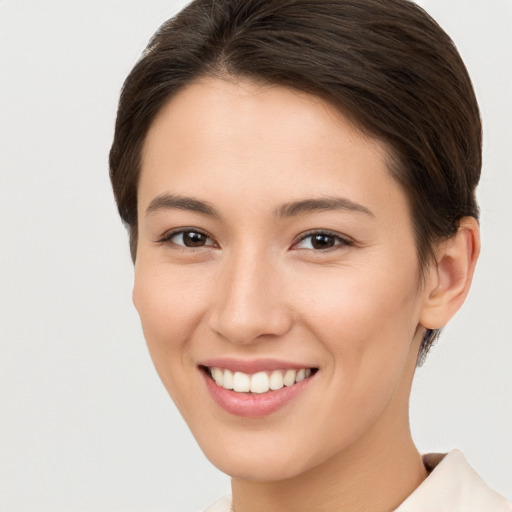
258	288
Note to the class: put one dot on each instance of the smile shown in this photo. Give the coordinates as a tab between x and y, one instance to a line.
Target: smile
256	388
260	382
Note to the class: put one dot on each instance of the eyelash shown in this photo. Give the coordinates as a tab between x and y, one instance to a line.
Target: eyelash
167	238
339	240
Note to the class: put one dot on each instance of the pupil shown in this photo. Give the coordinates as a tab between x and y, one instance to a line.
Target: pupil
322	241
192	239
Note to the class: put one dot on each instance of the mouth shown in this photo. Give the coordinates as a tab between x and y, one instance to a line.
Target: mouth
261	382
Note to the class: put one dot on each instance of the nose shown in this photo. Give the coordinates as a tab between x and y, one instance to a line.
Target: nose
250	301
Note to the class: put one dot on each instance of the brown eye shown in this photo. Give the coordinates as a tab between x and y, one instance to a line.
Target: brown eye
193	239
321	241
189	238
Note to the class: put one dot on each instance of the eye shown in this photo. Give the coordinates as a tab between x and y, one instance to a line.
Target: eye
321	240
188	238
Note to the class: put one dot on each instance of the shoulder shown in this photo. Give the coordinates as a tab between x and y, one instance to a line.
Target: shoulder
453	486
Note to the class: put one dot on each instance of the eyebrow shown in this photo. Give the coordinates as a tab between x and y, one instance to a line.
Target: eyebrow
321	204
177	202
291	209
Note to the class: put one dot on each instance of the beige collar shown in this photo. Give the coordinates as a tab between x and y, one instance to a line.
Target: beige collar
453	486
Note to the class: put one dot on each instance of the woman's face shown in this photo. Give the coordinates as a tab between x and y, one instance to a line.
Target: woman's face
275	245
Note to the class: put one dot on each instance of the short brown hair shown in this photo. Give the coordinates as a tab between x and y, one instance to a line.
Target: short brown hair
386	64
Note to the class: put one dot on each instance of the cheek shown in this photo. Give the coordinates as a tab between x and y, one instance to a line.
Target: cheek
366	322
167	302
366	318
170	309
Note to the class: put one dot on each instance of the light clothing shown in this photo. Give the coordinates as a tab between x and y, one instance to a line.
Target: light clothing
452	486
223	505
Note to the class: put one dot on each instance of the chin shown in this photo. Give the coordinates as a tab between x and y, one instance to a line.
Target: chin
258	469
263	460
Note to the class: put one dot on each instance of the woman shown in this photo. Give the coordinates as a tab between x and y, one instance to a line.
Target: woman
298	179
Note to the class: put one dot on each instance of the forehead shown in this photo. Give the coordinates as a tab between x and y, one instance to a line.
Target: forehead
249	105
265	143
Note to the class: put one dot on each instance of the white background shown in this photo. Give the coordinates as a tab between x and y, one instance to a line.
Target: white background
85	424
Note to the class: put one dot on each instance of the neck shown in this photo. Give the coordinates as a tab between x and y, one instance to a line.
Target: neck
378	478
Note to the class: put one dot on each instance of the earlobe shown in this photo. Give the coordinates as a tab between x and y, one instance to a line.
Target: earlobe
451	275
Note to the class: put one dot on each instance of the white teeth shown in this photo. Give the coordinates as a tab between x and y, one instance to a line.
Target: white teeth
259	382
276	380
241	382
218	376
289	377
228	379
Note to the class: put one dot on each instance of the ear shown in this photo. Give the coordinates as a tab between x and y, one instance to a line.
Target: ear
450	275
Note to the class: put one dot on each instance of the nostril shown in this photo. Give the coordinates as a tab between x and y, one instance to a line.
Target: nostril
245	326
249	304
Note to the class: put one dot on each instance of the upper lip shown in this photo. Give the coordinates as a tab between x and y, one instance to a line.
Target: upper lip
251	366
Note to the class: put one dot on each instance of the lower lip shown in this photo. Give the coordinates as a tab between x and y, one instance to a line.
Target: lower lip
253	405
